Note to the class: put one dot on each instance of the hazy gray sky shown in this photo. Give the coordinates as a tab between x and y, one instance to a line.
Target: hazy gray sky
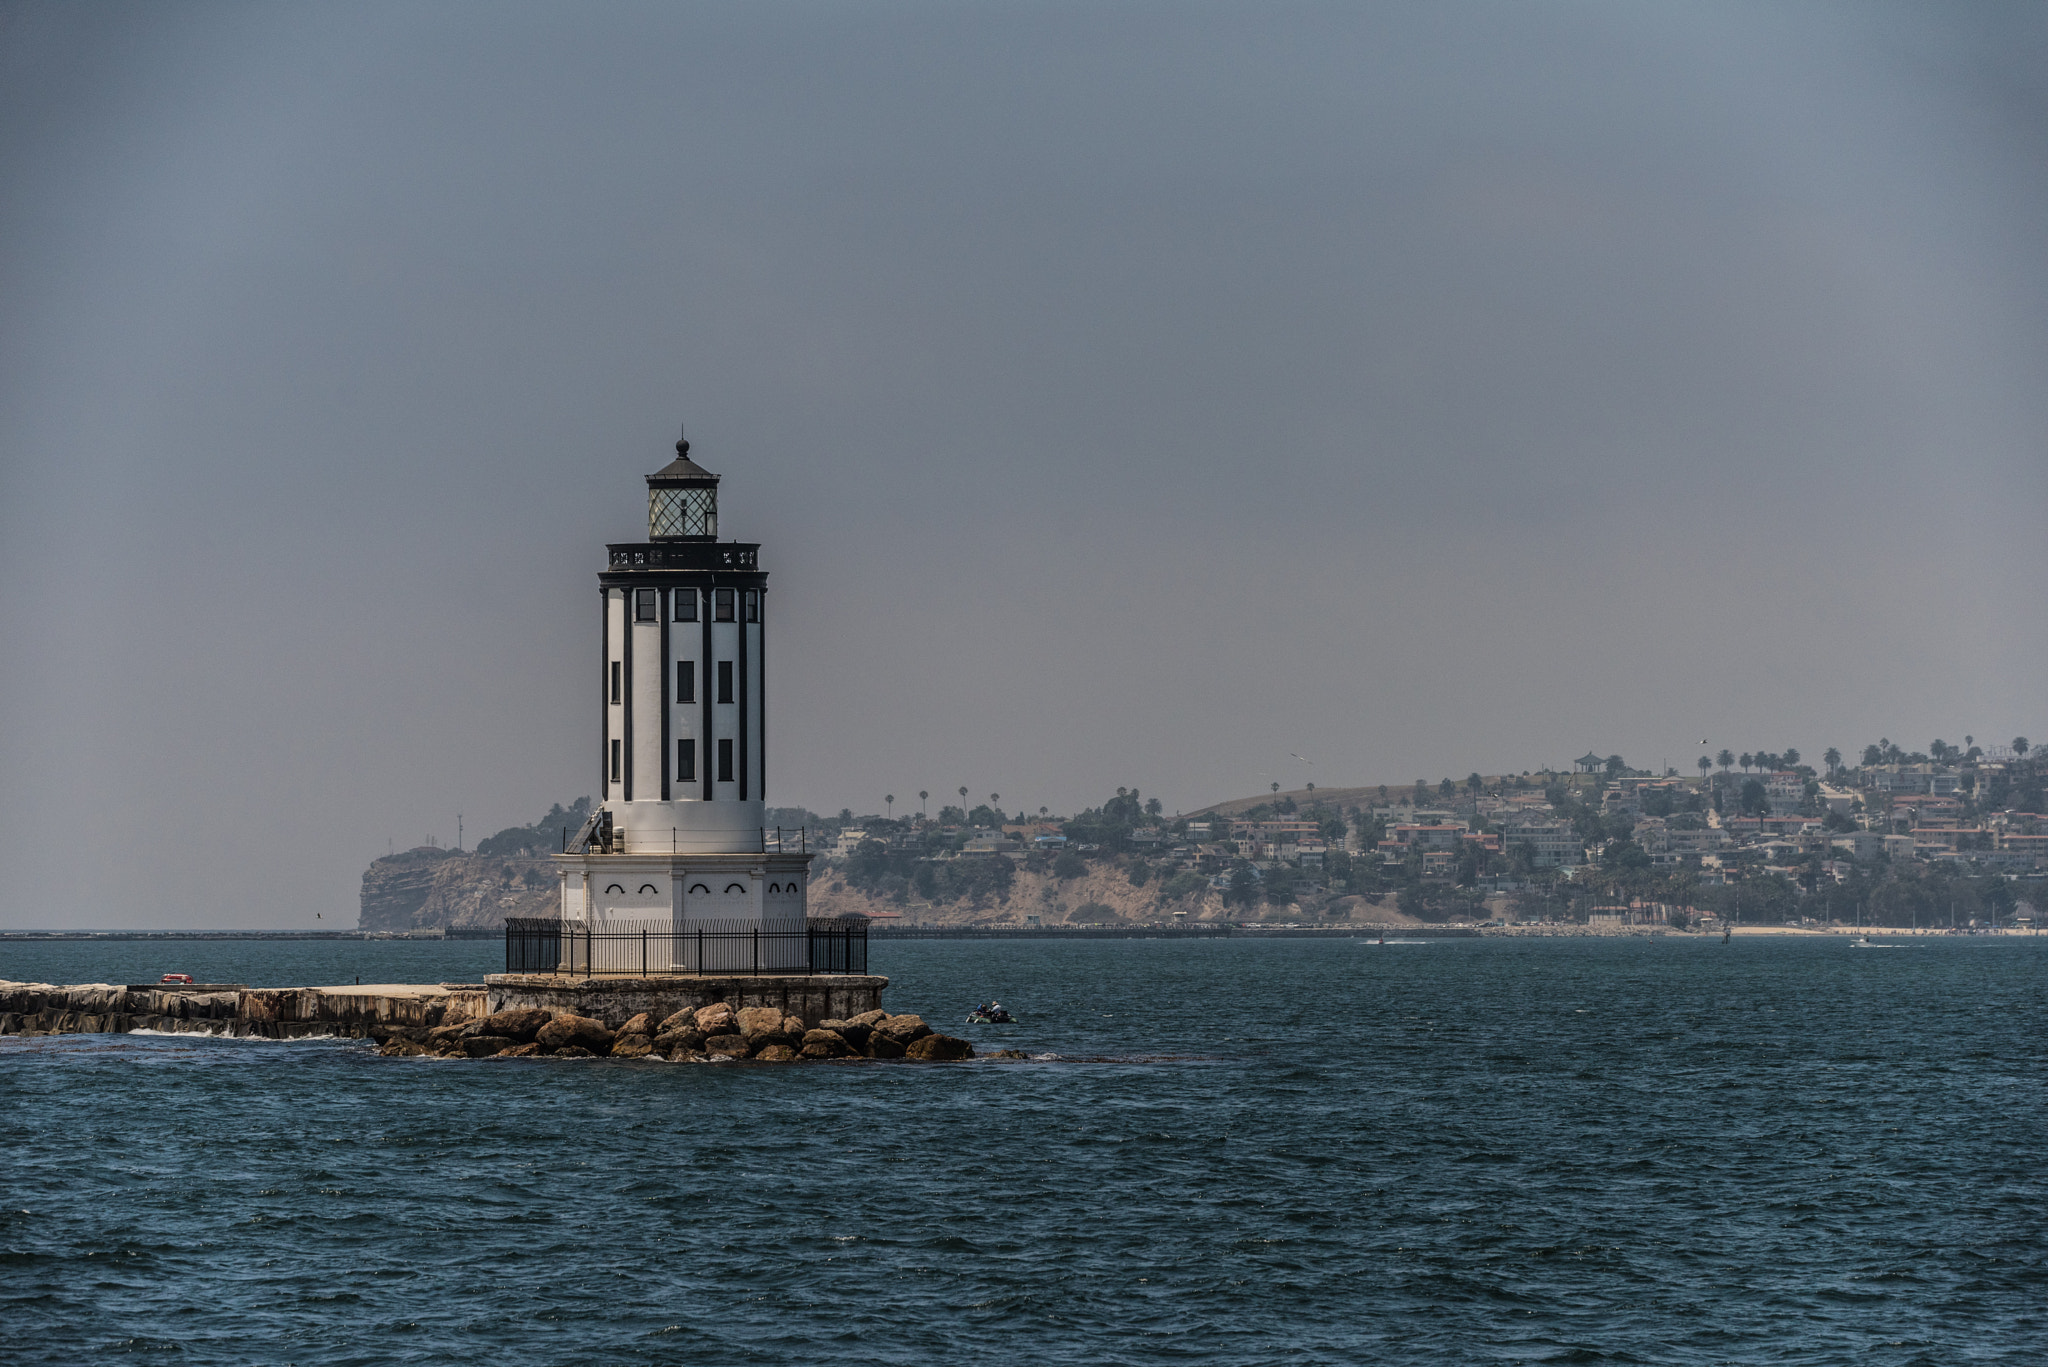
1122	394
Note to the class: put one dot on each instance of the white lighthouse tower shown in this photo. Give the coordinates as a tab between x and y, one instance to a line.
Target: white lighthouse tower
678	840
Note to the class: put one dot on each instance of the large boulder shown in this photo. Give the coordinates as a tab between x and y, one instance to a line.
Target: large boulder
685	1019
521	1023
869	1018
880	1045
642	1024
939	1049
854	1035
903	1029
580	1032
445	1036
632	1046
670	1040
573	1051
755	1021
519	1051
729	1046
483	1046
824	1044
715	1019
776	1053
398	1046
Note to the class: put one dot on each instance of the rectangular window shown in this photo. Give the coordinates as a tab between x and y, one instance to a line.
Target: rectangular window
721	603
644	605
615	680
686	761
753	606
725	680
615	761
725	761
686	605
686	681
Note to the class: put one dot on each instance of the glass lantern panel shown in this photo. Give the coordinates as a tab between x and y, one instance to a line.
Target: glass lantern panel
682	512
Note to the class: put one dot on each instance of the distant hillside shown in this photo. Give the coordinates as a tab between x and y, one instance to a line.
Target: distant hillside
429	888
1366	796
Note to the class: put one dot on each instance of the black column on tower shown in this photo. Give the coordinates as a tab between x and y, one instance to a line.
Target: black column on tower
604	692
740	600
661	607
762	672
706	747
626	697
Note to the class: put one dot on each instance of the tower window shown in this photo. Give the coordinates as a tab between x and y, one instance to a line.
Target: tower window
721	605
615	680
686	605
686	761
644	605
686	681
724	761
725	680
615	761
753	606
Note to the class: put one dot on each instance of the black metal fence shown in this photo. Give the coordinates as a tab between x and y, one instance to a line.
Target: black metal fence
634	949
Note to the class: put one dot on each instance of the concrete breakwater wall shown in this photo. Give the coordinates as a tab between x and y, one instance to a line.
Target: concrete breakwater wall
810	997
232	1009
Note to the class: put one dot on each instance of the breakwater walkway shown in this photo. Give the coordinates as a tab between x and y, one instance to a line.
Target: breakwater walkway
234	1009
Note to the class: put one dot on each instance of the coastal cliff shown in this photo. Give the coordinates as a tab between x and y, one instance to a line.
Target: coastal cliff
430	888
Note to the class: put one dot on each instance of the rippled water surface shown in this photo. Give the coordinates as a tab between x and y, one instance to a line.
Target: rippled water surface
1247	1152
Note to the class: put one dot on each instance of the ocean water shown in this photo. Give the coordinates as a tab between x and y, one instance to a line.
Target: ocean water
1246	1152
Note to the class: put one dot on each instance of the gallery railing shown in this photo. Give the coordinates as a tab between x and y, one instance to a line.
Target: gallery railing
629	949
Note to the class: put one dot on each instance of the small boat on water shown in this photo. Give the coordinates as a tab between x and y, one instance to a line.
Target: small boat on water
990	1013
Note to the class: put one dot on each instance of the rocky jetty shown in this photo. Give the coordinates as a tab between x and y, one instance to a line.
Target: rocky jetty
761	1034
454	1020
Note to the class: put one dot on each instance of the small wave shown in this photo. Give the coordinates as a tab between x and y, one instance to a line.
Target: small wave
238	1039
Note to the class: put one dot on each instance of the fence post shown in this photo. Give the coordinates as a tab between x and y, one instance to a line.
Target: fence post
757	951
643	951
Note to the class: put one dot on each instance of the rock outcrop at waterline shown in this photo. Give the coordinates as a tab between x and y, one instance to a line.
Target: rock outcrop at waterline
762	1034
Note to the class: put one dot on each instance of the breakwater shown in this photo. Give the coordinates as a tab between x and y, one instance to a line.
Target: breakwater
430	1015
763	1034
233	1009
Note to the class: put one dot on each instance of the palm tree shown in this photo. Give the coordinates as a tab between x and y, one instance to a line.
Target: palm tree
1706	762
993	799
1041	813
922	798
1746	758
1726	759
2019	745
1791	758
963	802
889	805
1832	758
1276	785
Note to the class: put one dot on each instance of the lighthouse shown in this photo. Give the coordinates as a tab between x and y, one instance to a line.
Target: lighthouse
683	735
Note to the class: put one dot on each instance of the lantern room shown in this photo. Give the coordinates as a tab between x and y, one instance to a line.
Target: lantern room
682	500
